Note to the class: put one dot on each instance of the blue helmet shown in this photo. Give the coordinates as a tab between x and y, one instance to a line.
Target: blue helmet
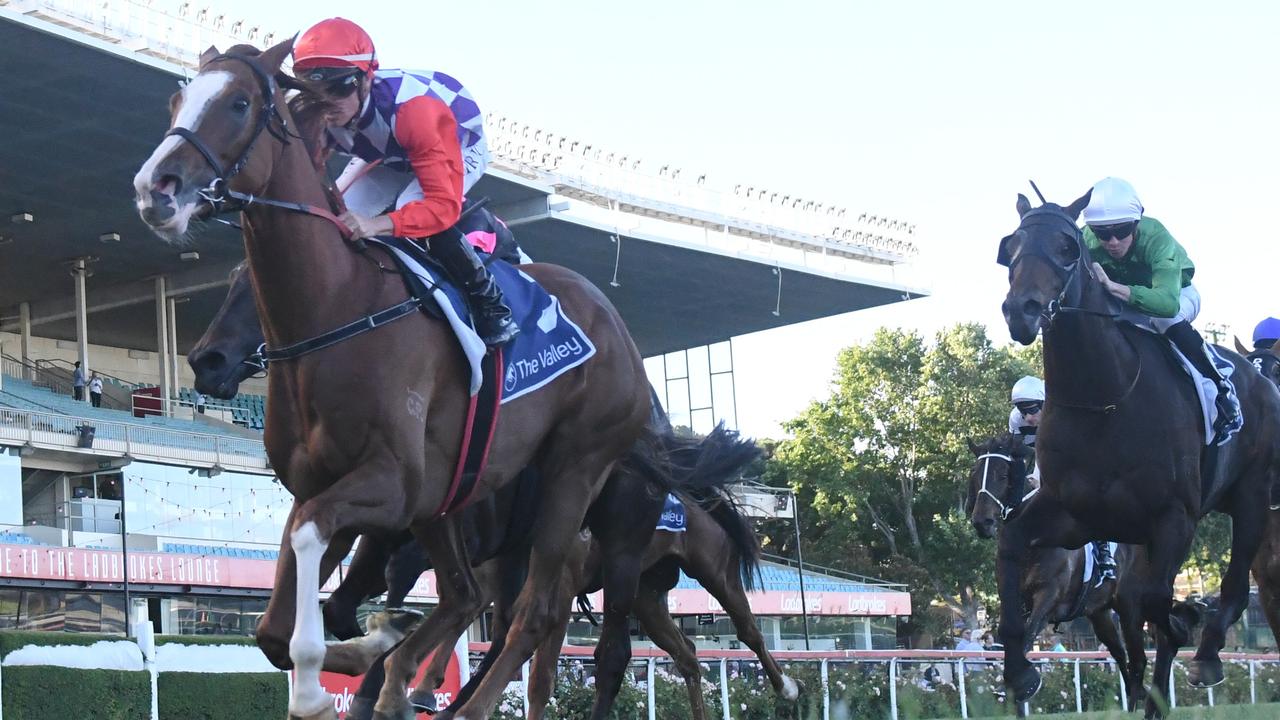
1267	331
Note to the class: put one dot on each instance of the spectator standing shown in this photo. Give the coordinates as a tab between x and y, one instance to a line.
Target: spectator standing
95	390
199	402
77	382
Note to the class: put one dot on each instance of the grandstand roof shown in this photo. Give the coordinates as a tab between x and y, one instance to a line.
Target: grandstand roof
81	112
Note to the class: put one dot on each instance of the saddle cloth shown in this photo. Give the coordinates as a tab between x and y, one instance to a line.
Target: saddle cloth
549	343
1206	389
673	518
1090	561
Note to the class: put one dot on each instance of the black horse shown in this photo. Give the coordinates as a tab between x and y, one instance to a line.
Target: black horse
1052	581
1121	446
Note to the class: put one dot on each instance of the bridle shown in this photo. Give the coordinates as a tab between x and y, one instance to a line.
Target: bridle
1006	510
1070	299
218	193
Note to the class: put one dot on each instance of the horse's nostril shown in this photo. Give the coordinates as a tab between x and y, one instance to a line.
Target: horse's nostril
167	185
1031	307
211	360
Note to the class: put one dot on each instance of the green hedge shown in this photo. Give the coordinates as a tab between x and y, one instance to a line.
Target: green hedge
205	640
220	696
11	640
40	692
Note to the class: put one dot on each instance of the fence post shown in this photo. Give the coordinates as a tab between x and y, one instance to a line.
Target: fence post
1076	673
1253	685
964	700
826	691
893	688
1210	697
1124	689
653	708
724	689
524	687
1	692
1172	689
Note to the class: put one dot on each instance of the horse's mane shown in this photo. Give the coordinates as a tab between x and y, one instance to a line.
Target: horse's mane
309	110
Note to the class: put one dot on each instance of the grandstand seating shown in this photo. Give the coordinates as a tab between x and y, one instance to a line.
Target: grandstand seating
787	579
22	395
247	410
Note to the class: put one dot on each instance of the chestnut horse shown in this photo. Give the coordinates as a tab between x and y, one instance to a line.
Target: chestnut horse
1121	446
718	549
346	426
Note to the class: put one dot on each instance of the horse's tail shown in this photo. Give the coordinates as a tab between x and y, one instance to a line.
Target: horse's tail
700	470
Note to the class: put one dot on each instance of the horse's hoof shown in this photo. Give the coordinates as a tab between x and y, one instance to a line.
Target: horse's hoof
1205	673
404	712
399	620
790	689
361	708
328	713
423	701
340	622
1025	685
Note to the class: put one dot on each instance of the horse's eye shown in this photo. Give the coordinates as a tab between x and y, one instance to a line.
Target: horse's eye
241	105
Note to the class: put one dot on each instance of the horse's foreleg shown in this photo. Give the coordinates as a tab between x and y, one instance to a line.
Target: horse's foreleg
1247	525
363	579
460	602
511	572
1104	626
1019	676
556	530
1135	647
320	526
542	673
651	610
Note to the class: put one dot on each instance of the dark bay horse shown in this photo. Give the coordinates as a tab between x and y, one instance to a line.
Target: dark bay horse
1052	579
347	426
1121	446
718	549
1266	566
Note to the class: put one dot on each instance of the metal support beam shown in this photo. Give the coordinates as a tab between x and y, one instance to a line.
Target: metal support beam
134	293
81	273
173	348
162	334
24	330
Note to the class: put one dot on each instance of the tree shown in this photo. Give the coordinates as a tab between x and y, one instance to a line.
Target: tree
881	465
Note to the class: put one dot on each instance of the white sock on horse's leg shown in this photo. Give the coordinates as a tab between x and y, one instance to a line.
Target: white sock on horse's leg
306	645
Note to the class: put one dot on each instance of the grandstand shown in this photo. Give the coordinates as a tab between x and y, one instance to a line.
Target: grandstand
192	496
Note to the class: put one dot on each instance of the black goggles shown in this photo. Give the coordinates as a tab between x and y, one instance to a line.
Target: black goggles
1030	407
334	82
1117	231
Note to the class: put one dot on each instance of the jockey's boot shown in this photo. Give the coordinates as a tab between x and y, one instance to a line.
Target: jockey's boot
490	313
1105	560
1189	343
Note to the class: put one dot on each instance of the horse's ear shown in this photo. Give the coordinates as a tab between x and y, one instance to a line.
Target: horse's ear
1008	245
973	448
1239	345
1024	205
208	55
289	82
273	57
1077	207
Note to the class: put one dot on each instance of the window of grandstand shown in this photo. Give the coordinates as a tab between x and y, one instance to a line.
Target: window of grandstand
69	610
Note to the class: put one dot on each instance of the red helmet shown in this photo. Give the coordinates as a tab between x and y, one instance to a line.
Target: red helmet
333	48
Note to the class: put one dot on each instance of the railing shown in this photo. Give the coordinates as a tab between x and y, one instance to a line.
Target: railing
58	431
890	684
35	374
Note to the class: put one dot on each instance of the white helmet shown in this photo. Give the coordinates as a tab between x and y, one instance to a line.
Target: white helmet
1028	389
1113	201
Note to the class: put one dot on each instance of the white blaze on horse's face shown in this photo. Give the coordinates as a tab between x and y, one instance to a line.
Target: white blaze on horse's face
166	201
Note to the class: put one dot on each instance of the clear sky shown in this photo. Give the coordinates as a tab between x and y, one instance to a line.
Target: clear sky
934	112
